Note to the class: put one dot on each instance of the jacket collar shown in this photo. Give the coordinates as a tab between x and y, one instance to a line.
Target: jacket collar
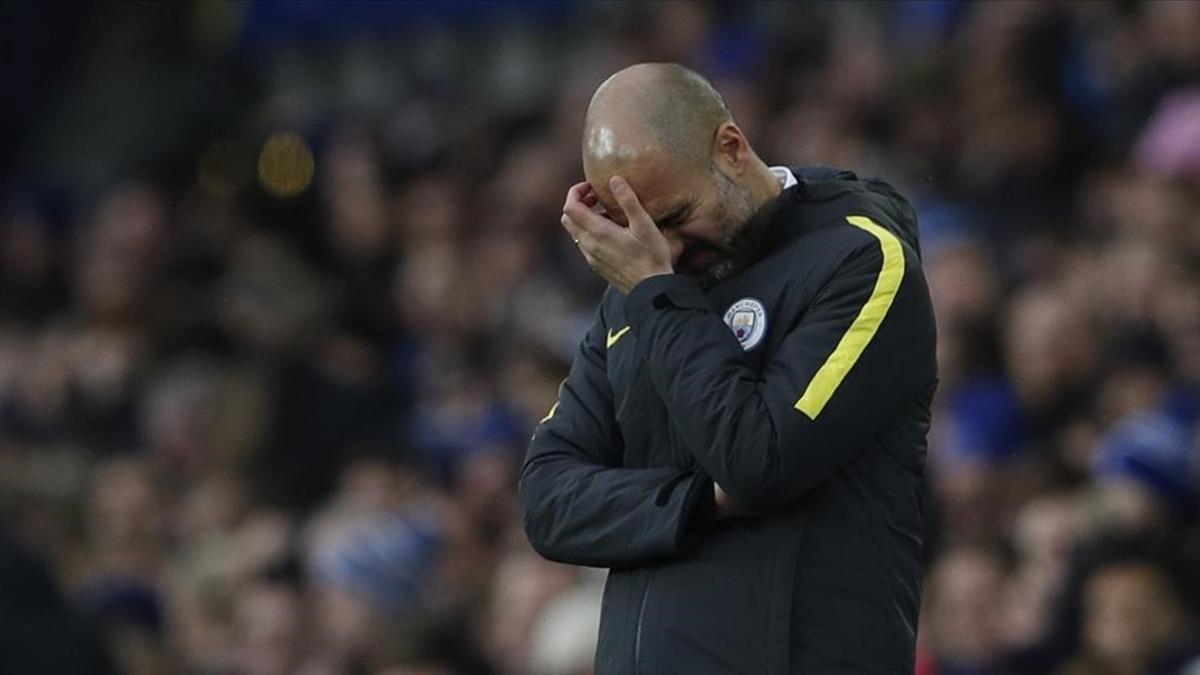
786	178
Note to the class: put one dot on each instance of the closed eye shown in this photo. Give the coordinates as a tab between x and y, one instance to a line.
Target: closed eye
675	218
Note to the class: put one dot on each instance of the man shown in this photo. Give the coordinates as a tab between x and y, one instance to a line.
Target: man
741	438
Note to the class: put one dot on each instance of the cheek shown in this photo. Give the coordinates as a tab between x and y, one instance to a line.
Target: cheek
706	229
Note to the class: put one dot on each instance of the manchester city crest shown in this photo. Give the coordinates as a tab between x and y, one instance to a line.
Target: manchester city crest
748	320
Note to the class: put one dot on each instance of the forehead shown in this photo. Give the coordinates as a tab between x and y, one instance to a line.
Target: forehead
660	187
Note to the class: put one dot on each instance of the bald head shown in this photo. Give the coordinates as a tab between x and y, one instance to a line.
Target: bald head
652	112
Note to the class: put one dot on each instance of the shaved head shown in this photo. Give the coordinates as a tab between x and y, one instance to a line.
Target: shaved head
656	112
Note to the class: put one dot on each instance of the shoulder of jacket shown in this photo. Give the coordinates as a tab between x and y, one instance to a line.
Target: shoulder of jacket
843	193
844	242
833	233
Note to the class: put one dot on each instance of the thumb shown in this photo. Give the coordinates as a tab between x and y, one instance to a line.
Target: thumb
640	222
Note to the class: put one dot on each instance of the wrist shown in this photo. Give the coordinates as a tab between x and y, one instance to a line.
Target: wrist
647	277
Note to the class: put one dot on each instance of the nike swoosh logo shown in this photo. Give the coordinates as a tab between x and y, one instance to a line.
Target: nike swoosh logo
613	337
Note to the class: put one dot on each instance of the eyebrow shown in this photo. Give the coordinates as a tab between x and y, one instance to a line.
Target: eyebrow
674	217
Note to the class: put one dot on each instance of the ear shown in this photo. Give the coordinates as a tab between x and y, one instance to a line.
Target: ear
731	151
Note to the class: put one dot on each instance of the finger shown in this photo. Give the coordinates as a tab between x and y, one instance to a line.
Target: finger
579	193
593	246
587	241
590	221
572	228
588	257
639	220
592	200
591	255
576	192
577	201
589	197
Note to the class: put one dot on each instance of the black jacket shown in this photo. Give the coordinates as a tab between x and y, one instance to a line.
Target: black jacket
814	417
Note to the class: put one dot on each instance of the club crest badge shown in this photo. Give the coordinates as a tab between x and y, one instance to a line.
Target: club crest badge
748	320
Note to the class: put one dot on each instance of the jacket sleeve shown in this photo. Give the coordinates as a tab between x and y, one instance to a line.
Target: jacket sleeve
863	347
580	506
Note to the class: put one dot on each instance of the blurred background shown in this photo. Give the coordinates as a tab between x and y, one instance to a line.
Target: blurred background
283	294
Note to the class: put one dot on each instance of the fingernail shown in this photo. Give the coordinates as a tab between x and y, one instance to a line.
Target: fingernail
616	182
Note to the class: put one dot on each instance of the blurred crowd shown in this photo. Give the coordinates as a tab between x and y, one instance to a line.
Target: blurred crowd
283	294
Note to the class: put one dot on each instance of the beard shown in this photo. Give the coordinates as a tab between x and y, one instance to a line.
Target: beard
741	223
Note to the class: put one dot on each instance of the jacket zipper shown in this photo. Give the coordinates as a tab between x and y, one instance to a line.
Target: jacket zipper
637	637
